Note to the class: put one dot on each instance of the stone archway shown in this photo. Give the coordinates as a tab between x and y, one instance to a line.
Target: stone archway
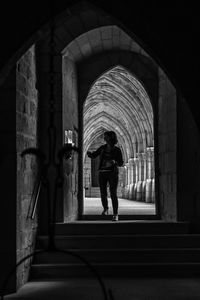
91	54
87	60
118	101
88	48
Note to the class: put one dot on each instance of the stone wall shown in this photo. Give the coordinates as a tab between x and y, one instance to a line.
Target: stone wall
26	130
188	163
70	122
87	175
167	148
50	131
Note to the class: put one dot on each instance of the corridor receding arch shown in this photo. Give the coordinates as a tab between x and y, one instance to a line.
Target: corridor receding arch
118	101
108	50
119	95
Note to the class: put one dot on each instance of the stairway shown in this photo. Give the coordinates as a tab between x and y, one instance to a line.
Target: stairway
121	249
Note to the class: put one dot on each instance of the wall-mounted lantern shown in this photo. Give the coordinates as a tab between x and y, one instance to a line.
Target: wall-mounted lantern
69	137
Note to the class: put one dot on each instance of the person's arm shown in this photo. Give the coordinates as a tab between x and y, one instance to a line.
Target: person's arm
94	153
119	158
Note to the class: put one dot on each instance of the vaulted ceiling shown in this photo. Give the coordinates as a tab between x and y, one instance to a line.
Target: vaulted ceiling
100	39
118	101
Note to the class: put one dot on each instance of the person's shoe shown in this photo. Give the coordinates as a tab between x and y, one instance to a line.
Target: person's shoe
105	212
115	218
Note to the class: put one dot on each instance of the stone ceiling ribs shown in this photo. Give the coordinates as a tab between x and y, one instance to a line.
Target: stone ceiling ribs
118	101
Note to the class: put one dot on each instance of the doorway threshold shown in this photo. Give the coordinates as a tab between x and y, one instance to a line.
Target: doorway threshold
89	217
108	227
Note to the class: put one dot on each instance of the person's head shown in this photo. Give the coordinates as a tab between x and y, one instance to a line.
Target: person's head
110	137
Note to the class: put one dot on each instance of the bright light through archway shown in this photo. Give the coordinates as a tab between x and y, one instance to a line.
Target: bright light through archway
118	101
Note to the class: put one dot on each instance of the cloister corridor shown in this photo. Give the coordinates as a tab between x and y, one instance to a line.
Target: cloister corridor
118	101
92	206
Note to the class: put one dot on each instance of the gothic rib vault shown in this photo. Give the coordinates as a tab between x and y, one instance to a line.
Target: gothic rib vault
118	101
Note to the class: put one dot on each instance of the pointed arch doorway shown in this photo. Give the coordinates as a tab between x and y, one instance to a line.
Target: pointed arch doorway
118	101
93	49
94	52
125	70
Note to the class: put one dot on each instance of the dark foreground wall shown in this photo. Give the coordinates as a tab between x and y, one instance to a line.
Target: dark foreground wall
27	169
188	162
18	118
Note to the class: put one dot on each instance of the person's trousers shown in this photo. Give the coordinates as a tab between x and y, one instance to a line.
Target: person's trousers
111	178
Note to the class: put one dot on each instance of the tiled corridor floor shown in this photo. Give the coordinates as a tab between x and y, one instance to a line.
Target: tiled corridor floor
92	206
122	289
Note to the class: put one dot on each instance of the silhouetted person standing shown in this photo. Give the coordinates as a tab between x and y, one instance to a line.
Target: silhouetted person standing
110	159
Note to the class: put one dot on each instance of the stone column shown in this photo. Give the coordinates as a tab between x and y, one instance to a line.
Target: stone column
129	173
152	162
124	182
153	174
144	176
127	181
131	184
140	175
153	190
136	176
150	172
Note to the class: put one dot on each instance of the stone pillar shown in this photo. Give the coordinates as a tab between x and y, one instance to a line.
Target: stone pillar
167	142
132	177
152	162
124	182
46	134
128	180
150	173
153	174
71	201
153	190
126	190
144	176
136	176
139	183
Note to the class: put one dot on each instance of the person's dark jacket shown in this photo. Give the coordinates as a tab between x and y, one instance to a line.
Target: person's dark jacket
116	155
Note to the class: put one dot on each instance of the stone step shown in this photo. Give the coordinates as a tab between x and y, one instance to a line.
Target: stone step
48	271
144	215
137	248
120	256
109	228
128	241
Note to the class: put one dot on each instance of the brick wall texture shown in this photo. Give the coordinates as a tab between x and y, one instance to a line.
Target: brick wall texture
26	130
